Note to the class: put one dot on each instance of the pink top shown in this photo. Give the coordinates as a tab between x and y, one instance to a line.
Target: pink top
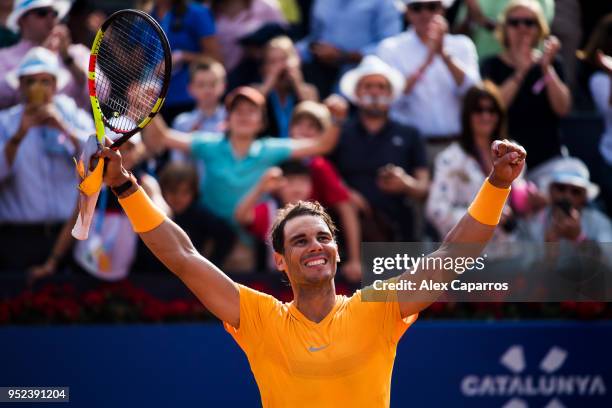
229	30
10	58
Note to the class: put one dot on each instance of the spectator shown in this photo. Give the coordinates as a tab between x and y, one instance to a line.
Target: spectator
253	44
531	83
37	21
460	169
311	120
206	87
190	28
207	84
283	85
568	217
38	139
236	160
110	248
7	36
341	33
480	18
598	56
382	161
439	69
237	18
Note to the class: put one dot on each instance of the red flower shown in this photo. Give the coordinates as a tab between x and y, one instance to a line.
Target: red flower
93	298
179	308
5	312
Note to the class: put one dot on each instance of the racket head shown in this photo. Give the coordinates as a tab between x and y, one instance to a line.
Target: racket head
130	67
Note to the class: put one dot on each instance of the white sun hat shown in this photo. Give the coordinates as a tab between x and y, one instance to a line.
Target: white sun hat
572	171
20	7
445	3
372	65
39	60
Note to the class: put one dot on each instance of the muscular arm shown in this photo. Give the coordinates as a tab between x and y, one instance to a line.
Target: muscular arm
509	161
171	245
158	136
217	292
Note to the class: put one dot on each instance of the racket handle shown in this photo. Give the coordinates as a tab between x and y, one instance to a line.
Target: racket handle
87	208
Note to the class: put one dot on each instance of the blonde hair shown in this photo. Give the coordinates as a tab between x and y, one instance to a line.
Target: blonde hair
312	110
531	5
284	43
207	64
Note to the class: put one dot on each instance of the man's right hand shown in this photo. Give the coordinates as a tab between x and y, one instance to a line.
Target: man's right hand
114	172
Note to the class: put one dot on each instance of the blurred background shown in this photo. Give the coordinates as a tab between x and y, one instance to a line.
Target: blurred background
428	84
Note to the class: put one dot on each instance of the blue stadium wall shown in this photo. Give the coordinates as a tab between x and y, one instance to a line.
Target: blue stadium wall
439	364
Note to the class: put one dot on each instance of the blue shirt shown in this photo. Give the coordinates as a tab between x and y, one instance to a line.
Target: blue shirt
195	120
229	178
184	33
352	25
40	185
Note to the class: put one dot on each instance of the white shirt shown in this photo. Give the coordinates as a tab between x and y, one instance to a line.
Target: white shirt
434	104
600	90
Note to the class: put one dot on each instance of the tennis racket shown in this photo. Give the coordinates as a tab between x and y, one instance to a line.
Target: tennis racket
130	67
129	73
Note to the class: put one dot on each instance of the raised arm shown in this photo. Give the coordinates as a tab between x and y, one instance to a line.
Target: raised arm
171	245
307	147
271	180
478	224
158	137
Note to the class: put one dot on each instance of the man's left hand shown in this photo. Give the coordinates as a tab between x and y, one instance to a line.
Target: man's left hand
508	162
393	179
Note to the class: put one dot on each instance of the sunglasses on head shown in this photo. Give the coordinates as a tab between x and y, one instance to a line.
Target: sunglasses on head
482	109
527	22
43	12
431	6
573	190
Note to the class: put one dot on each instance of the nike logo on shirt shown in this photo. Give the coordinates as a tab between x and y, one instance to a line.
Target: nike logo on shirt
313	349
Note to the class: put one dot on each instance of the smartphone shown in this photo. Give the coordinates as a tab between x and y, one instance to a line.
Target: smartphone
36	94
565	206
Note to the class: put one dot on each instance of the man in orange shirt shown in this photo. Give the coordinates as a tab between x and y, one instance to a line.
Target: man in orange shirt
321	349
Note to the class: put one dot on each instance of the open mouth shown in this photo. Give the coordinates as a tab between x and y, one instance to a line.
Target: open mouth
316	262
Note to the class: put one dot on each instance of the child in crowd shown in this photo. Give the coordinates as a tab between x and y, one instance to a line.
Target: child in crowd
312	178
310	120
206	86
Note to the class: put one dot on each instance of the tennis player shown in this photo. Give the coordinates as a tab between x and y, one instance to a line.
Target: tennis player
321	349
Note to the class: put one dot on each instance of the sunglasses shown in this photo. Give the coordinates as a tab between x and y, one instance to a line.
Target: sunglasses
480	110
43	12
527	22
431	6
573	190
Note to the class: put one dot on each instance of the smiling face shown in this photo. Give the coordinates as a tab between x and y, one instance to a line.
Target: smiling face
310	251
245	118
522	27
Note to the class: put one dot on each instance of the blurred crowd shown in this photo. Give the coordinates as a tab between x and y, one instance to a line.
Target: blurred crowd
419	88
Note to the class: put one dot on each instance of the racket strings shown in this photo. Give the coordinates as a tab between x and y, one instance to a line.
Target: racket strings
130	69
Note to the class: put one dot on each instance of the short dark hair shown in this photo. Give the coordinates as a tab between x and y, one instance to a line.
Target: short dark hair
175	173
471	102
294	168
290	211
